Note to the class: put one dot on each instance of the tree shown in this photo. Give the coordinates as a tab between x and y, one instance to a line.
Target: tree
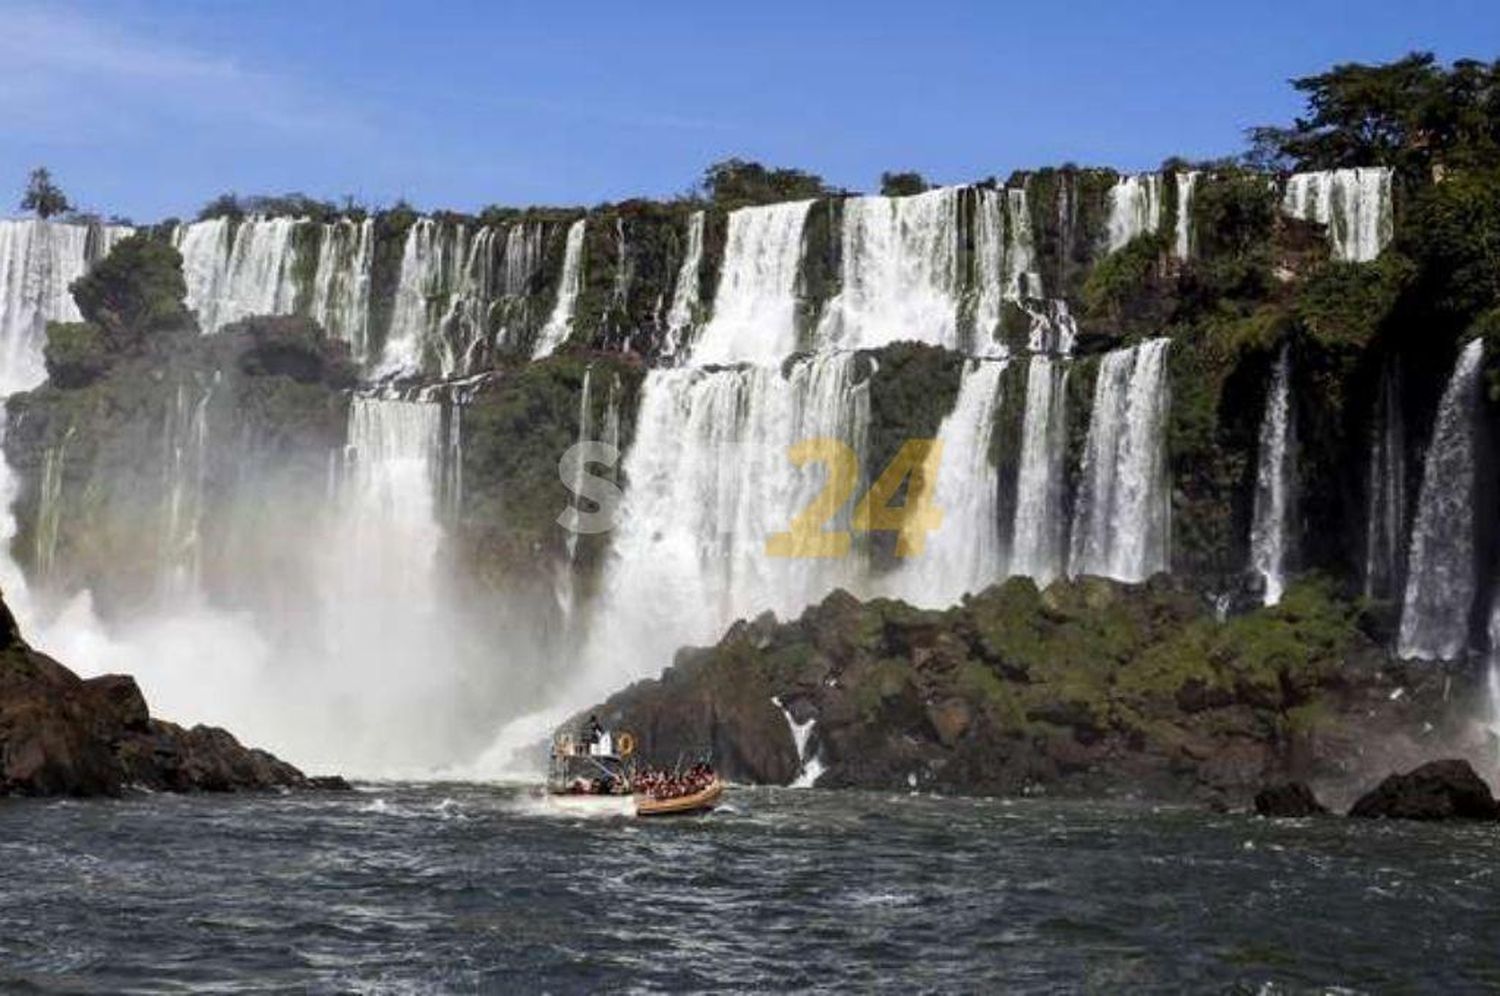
43	196
135	293
738	182
1409	114
902	184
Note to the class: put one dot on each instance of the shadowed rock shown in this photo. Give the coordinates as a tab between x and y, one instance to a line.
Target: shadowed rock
1438	790
1290	800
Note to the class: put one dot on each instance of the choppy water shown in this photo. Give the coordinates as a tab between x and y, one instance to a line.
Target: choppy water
465	888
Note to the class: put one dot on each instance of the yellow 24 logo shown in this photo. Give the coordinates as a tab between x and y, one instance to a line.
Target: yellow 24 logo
916	463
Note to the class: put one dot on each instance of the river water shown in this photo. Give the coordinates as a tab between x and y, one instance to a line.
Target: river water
437	888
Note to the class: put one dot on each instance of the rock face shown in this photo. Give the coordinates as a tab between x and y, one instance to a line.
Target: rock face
1288	800
1089	687
63	735
1438	790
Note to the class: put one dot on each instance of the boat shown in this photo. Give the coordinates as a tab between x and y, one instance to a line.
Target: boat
701	801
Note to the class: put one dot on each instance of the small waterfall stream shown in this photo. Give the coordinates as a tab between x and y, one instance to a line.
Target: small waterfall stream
1273	524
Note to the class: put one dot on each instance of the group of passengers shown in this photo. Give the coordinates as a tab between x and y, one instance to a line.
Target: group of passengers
658	783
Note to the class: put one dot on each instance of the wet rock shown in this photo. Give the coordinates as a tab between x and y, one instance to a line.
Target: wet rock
1438	790
1288	800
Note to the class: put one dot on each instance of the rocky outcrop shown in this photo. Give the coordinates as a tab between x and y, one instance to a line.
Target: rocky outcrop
1089	687
64	735
1438	790
1288	800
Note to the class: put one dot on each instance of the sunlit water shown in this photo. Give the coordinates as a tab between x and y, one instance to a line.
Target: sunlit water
464	888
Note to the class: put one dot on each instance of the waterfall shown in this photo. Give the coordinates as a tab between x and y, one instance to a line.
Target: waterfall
684	310
234	270
964	553
1354	204
1385	486
1040	527
899	273
709	482
1005	259
1121	525
341	283
1134	208
440	318
755	307
1183	244
560	324
1440	582
185	469
49	509
1272	528
38	262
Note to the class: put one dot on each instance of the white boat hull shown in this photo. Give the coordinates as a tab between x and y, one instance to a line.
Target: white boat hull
593	805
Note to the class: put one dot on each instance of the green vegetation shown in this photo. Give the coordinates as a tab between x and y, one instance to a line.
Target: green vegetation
903	184
732	183
43	196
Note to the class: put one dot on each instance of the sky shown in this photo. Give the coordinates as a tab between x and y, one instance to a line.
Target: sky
149	110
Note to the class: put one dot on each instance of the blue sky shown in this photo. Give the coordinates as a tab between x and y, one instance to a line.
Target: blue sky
150	109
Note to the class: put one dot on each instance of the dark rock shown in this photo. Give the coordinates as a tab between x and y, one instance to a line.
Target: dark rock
62	735
329	783
1290	800
1438	790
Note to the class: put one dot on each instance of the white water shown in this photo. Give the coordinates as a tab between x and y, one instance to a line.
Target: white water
809	765
38	262
1121	524
1187	183
899	273
964	553
1273	523
1040	528
1005	260
755	307
709	482
560	323
1134	208
1440	582
235	270
185	466
341	283
685	295
1355	204
1385	484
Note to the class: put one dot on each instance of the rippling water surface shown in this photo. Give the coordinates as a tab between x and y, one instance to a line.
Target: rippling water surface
466	888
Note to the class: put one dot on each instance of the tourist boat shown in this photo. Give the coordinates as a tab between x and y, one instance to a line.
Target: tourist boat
697	802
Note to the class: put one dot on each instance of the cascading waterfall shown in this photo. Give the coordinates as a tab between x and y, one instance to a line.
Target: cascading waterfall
709	481
39	260
899	273
755	307
1134	208
1005	260
341	283
1385	484
1272	524
1182	245
185	465
685	293
443	296
1039	532
1440	582
1121	524
560	323
964	553
1354	204
234	270
49	508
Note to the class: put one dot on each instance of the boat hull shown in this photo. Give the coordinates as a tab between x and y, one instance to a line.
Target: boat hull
698	802
593	805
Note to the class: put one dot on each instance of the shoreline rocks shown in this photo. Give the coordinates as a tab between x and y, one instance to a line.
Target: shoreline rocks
1438	790
65	735
1288	800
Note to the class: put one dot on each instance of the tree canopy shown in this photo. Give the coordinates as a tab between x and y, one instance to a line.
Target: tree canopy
1410	114
43	196
903	184
738	182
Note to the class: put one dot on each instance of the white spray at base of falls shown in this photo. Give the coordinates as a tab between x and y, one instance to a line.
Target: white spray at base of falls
1273	524
1440	582
560	323
963	554
1355	205
1134	209
755	307
1121	523
684	310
